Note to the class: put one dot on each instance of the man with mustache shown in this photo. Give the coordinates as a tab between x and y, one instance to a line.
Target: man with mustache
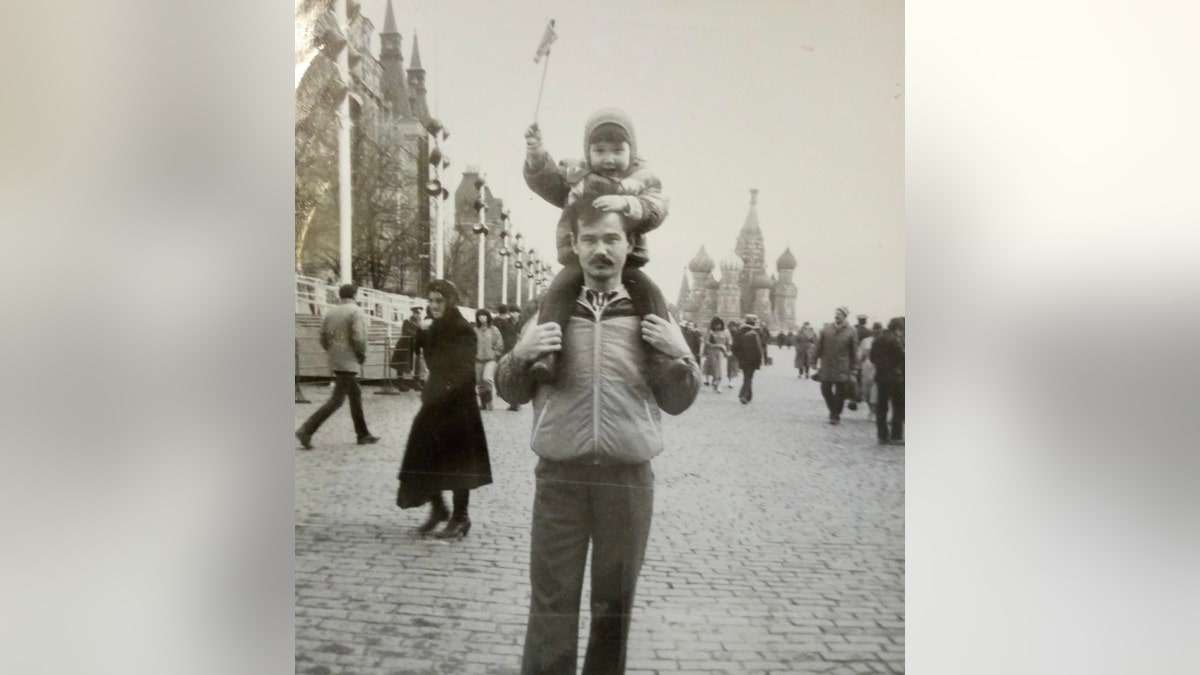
596	427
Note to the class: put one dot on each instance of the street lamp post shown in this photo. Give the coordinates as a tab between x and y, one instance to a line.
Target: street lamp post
519	253
345	215
438	162
438	194
504	253
480	229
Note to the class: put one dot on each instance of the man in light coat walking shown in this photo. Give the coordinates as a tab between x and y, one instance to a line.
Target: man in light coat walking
344	339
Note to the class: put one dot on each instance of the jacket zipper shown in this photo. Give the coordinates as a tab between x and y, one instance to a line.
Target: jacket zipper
596	385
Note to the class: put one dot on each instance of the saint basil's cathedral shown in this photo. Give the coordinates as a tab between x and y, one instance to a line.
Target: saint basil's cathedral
739	285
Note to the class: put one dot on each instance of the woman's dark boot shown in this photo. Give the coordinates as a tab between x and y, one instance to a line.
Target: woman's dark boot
438	514
460	522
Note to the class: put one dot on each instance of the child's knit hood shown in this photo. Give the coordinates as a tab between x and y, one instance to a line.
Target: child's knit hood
610	116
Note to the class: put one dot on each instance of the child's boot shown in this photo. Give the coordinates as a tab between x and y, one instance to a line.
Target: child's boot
664	368
544	368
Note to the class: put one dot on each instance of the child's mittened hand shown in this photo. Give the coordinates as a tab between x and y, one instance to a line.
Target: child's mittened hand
610	203
533	137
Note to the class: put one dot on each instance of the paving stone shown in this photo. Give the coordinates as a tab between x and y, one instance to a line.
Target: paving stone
777	546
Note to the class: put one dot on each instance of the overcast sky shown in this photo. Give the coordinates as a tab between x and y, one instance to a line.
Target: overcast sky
802	100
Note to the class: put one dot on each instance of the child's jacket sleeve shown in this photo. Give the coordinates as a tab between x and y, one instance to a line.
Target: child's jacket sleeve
654	205
545	178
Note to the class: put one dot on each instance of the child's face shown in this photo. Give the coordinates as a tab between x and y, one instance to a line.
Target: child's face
609	158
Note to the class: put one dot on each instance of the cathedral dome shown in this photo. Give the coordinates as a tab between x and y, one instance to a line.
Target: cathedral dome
761	281
732	263
712	284
701	264
787	261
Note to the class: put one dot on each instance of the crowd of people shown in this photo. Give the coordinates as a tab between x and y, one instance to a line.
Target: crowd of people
605	351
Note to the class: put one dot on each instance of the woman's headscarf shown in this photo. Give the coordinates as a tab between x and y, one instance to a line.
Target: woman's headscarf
451	318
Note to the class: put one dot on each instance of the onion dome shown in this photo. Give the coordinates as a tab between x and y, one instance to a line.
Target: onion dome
701	264
713	283
787	261
732	263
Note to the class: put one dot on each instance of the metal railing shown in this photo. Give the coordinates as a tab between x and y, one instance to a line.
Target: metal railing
386	313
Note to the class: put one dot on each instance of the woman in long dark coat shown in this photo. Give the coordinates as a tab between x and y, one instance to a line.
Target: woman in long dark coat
447	448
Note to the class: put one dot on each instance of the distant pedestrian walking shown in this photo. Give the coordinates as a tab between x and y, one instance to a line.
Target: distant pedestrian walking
344	338
506	323
837	362
887	353
732	369
447	448
404	356
805	342
750	352
717	342
489	348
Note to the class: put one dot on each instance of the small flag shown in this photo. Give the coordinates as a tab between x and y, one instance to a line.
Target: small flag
548	39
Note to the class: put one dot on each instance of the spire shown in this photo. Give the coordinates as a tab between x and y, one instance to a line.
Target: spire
391	61
685	294
751	224
389	21
416	54
416	85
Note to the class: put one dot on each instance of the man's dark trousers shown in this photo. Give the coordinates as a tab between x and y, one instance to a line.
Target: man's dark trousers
575	503
747	392
890	392
835	397
345	384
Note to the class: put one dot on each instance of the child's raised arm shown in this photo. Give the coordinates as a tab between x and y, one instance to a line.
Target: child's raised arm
542	175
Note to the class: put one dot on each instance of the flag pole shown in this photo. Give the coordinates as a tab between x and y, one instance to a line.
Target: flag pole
545	67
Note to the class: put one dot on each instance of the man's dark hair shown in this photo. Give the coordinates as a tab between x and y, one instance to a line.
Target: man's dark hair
347	291
581	210
502	309
897	323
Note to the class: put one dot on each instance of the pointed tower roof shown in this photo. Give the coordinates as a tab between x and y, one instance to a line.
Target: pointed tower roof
416	54
751	224
701	263
389	20
685	293
787	261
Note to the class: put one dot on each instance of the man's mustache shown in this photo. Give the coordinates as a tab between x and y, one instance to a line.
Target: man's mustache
602	259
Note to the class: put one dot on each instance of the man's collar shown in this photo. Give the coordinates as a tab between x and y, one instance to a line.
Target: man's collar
619	292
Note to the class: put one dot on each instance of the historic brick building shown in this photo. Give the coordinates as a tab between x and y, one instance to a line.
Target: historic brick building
389	150
743	286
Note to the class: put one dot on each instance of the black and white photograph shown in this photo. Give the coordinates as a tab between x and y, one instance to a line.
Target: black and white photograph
599	333
597	316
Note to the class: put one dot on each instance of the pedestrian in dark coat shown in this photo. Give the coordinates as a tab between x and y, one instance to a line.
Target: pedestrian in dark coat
404	356
447	448
750	351
837	362
887	353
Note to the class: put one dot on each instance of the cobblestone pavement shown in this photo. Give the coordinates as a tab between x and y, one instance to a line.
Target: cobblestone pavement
777	546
